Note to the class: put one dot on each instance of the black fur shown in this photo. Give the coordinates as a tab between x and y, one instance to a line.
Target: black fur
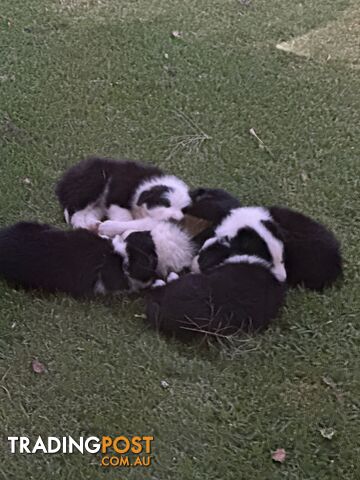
155	197
37	256
142	257
312	252
214	255
229	299
85	182
245	242
211	204
248	242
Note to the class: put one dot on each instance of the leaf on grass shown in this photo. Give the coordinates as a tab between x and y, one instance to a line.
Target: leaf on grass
327	433
164	384
38	367
329	382
176	34
279	455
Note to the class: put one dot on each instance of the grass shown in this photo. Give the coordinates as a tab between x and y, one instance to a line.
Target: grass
86	76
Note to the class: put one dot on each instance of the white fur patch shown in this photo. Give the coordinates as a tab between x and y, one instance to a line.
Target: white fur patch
111	228
195	267
178	197
240	218
247	259
67	216
158	283
91	215
119	214
88	218
174	248
119	246
172	277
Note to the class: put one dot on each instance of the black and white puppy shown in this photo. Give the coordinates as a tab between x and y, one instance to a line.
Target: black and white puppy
244	231
232	294
119	190
312	252
77	262
80	263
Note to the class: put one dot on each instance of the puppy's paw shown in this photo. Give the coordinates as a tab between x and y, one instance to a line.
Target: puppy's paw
172	276
110	228
158	283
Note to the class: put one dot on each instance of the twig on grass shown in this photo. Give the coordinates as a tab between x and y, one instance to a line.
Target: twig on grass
191	142
261	143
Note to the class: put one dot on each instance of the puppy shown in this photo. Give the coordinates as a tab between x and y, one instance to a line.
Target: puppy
119	190
244	231
37	256
174	248
235	293
311	251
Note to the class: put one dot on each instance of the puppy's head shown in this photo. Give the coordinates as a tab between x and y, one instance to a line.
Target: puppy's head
212	254
212	204
139	258
162	198
246	232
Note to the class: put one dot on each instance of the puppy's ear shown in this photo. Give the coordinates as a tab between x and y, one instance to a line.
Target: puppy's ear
142	257
213	256
198	194
144	198
154	196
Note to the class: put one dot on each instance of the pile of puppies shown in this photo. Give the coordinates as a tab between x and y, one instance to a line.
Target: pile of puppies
129	234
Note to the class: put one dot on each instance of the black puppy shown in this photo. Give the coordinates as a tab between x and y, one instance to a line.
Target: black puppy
232	293
119	190
79	263
312	252
232	298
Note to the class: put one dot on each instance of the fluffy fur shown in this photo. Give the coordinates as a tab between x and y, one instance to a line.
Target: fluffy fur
99	188
174	248
161	198
240	295
78	263
311	251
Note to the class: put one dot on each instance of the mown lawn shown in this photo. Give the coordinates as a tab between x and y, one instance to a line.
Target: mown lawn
86	76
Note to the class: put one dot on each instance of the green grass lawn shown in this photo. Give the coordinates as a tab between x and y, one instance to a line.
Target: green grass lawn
83	76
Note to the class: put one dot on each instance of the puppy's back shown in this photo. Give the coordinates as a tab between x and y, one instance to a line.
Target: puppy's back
38	256
85	182
230	299
312	252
